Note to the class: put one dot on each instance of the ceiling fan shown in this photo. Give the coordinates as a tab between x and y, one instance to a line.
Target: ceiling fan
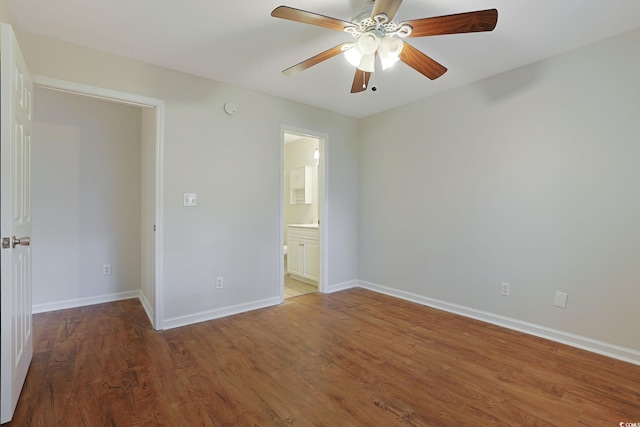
379	34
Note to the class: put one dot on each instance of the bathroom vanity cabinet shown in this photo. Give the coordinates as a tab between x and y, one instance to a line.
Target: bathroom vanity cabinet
303	259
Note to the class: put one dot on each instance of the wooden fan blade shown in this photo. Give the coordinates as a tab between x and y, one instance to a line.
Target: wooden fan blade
469	22
421	62
292	14
314	60
360	81
388	7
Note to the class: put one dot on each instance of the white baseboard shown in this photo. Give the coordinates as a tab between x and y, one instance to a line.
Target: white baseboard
148	308
81	302
203	316
303	279
584	343
341	286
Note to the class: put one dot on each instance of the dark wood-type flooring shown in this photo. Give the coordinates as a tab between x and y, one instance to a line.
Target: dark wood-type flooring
353	358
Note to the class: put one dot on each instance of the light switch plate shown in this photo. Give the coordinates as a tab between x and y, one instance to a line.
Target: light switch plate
190	199
560	299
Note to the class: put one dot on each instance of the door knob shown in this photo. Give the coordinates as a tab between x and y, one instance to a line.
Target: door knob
24	241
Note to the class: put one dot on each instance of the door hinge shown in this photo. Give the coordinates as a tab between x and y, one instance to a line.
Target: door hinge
6	242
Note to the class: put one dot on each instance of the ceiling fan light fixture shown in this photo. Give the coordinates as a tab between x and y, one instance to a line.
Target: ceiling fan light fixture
359	60
391	45
387	61
362	53
389	51
368	63
368	43
353	55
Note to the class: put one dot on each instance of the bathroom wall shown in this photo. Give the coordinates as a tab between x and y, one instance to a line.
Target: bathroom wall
298	154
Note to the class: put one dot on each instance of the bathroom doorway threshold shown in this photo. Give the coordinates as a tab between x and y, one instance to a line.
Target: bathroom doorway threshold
295	288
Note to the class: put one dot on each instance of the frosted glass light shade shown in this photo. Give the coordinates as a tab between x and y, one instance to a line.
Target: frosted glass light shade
353	55
368	43
391	45
364	62
362	53
368	63
390	48
387	61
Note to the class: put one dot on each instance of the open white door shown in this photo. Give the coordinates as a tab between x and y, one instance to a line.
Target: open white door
15	214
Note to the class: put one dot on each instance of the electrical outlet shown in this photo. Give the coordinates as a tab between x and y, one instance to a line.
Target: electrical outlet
106	269
505	289
190	200
219	282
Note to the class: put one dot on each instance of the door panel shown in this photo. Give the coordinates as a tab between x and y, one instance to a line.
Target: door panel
311	260
15	199
294	258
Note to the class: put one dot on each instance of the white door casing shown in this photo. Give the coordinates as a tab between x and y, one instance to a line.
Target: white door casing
155	309
323	212
15	212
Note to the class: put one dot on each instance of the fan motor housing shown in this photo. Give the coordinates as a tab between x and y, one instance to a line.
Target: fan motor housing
365	23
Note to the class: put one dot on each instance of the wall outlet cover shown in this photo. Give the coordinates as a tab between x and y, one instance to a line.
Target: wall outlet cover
190	199
505	289
560	299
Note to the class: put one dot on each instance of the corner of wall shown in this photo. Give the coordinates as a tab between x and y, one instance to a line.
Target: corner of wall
5	14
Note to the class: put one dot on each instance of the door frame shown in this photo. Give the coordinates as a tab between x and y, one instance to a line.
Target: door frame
323	211
157	105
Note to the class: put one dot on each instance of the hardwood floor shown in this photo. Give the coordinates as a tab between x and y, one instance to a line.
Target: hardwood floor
352	358
295	288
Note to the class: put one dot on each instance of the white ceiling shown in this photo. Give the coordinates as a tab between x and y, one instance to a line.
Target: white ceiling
239	43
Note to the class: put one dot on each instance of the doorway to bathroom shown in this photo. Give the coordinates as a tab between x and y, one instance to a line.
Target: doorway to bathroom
302	207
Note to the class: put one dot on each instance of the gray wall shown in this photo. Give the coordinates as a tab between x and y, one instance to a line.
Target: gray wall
5	15
531	177
233	164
